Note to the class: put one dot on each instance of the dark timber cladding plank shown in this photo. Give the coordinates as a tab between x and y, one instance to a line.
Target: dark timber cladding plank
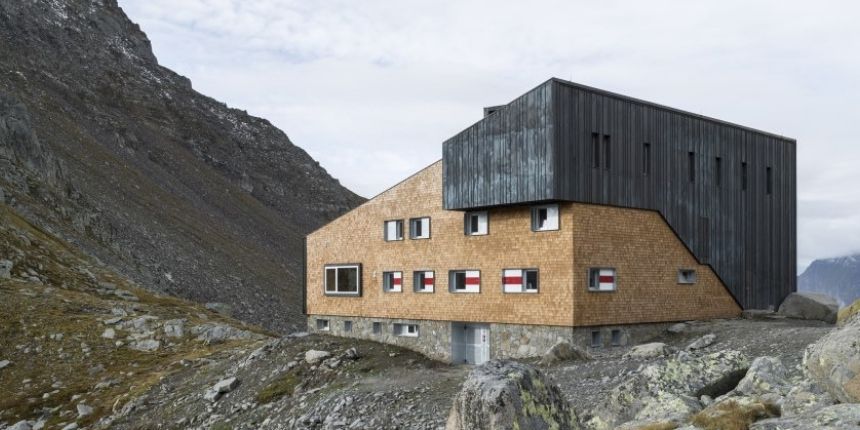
539	147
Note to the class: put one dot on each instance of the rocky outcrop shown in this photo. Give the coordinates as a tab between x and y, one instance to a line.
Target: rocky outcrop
847	312
837	417
564	351
507	395
810	306
670	390
121	157
649	350
834	361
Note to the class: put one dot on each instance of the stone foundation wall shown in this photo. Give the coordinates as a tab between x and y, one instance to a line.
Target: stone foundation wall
506	340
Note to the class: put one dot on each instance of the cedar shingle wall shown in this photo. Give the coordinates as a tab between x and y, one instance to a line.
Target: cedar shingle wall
637	243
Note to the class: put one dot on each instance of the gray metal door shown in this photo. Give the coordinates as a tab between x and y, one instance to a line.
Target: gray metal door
470	343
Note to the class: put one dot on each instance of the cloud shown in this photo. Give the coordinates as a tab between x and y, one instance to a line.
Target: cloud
372	88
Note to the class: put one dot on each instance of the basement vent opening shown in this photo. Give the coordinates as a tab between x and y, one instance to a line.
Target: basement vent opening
596	339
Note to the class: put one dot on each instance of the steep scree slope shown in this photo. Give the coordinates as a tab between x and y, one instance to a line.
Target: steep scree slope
120	156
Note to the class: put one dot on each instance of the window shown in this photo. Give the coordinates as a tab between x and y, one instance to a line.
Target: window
616	337
595	144
419	228
601	279
691	166
347	326
744	176
607	147
423	281
322	325
394	230
545	218
520	280
406	330
769	181
392	282
475	223
718	171
345	280
686	276
596	339
646	159
377	327
464	281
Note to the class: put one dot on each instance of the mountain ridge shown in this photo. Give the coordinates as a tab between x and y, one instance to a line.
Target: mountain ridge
123	158
837	276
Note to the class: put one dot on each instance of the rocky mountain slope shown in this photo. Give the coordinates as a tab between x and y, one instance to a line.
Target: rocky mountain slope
121	157
837	277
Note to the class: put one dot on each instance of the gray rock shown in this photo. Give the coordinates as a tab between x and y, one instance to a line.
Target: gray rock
4	364
5	269
21	425
109	333
145	345
126	295
563	351
314	356
649	350
220	308
504	394
214	333
834	362
766	375
805	397
351	354
221	388
678	328
837	417
174	328
810	306
702	342
71	426
84	410
669	390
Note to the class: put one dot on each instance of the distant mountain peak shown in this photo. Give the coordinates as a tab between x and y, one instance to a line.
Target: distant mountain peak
837	276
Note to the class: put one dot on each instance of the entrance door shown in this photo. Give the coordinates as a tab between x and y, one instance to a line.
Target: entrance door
470	343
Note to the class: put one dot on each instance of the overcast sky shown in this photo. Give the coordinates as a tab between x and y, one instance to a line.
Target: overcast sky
372	88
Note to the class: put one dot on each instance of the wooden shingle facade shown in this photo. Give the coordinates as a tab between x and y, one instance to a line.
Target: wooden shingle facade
727	191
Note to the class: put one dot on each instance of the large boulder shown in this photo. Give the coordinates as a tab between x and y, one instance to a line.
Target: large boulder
810	306
765	376
505	394
834	362
670	390
837	417
564	351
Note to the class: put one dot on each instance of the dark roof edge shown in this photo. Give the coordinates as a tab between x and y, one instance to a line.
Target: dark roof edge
670	109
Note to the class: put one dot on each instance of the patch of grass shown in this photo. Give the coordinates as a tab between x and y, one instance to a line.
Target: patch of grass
659	426
732	415
848	311
284	385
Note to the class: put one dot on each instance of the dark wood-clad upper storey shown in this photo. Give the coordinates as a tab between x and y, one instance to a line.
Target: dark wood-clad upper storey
728	191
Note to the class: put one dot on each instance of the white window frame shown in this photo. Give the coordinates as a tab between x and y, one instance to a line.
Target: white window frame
552	222
337	268
483	228
687	276
392	227
422	287
388	281
323	325
424	222
592	278
405	330
466	288
519	288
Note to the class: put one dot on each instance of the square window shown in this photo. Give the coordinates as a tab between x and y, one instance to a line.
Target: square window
476	223
545	218
686	276
423	281
601	279
405	330
343	280
596	339
464	281
520	280
347	326
394	230
392	282
322	325
419	228
616	337
377	327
